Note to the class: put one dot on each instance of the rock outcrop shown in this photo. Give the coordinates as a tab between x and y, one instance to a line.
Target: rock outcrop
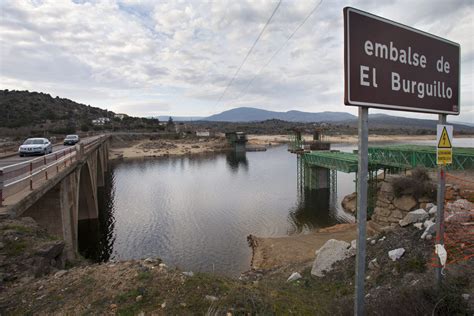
349	203
27	252
391	210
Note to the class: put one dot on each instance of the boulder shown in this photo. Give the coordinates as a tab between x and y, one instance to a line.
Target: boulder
418	225
396	254
332	251
413	217
349	203
293	277
50	250
430	229
429	206
373	264
428	223
405	203
433	210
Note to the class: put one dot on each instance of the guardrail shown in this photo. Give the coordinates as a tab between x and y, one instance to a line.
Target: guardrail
19	176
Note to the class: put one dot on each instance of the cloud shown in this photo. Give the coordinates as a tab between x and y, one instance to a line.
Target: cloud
150	58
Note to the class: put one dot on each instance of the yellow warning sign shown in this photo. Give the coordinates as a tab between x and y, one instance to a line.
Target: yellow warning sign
444	141
444	156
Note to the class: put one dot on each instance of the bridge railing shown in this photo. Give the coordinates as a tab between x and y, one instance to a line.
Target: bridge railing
30	173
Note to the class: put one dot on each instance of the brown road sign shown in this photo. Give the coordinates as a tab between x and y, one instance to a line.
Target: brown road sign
392	66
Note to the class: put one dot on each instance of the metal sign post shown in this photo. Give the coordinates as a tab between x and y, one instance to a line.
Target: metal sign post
362	170
440	208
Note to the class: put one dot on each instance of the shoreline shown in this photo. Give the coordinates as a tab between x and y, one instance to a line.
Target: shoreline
146	148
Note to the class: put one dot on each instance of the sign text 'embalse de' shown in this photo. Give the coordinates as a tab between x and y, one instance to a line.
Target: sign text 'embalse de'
392	66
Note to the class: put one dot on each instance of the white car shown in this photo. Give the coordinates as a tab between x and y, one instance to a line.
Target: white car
35	146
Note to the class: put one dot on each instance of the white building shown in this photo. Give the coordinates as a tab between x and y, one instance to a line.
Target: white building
101	121
203	133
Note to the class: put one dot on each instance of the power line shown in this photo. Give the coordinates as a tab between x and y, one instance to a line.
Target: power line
279	49
250	51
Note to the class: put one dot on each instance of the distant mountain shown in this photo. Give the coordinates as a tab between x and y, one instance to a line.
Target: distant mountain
388	121
246	114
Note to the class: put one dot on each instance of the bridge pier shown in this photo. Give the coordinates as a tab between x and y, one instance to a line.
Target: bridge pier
316	177
56	211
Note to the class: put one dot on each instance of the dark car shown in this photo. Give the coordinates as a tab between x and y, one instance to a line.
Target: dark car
71	140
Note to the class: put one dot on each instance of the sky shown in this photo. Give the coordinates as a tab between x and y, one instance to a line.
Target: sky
150	58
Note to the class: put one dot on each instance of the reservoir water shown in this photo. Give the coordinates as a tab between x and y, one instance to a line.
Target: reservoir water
195	212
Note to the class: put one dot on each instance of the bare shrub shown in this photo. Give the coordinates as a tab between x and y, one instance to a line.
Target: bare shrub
418	184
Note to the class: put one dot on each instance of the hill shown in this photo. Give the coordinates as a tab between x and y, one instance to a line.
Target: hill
24	108
246	114
26	113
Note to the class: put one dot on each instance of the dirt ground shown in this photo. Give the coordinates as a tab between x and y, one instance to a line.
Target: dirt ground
275	252
166	147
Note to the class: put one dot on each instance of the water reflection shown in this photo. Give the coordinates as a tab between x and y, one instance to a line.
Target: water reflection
313	211
236	160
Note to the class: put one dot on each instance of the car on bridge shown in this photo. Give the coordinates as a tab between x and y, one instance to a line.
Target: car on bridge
35	146
71	140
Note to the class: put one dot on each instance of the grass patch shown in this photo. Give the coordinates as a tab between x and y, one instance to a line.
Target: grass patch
144	275
18	228
416	264
123	297
15	247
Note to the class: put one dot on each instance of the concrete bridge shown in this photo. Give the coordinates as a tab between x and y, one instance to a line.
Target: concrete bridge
58	189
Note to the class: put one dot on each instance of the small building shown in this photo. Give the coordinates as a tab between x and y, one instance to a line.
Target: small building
101	121
203	133
120	116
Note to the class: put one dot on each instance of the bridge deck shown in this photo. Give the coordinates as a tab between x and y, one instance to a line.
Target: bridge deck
398	156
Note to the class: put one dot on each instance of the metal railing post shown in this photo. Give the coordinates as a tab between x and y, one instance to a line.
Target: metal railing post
31	176
45	169
1	187
57	165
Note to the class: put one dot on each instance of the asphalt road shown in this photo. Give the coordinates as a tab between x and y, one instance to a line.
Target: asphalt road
7	161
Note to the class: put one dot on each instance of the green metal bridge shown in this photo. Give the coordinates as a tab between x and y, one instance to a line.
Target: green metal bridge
390	157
